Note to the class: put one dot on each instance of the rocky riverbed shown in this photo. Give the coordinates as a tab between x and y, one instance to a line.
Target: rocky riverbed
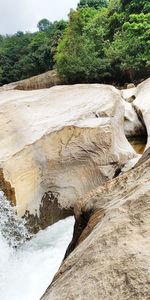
65	150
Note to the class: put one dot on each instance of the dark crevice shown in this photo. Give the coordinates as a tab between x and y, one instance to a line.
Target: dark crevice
118	171
139	142
80	224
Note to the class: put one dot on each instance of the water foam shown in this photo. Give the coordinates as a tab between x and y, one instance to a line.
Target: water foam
27	271
12	228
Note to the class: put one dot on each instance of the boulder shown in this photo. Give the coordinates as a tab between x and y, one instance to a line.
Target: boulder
142	105
132	125
42	81
128	94
137	120
59	144
130	85
135	129
109	255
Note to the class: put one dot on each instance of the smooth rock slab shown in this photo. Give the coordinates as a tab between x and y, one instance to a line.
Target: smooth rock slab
60	143
111	259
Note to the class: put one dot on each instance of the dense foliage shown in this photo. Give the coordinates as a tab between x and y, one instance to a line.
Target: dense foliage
104	41
106	44
97	4
27	54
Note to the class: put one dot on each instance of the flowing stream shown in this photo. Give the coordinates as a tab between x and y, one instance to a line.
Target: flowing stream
28	267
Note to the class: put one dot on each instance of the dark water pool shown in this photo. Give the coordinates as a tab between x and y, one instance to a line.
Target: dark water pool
138	143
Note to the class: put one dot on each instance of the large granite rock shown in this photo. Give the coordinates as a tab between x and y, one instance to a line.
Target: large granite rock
142	105
137	110
111	259
58	144
42	81
133	126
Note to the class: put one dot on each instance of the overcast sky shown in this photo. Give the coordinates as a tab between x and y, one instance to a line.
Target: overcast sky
23	15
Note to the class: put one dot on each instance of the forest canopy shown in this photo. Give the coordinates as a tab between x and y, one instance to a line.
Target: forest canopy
103	41
27	54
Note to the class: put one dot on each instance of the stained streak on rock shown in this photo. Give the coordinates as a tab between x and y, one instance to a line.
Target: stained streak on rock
5	186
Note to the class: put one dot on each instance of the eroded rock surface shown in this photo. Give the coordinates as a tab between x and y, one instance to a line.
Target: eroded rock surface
137	110
133	126
111	259
42	81
6	187
142	105
61	143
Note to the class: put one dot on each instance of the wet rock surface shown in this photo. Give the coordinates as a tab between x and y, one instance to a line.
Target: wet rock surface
6	187
63	152
111	253
108	257
50	212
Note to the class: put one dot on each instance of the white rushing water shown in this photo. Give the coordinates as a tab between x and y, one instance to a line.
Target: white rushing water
26	272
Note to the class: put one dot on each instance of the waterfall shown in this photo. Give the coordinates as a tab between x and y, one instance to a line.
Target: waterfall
27	270
11	227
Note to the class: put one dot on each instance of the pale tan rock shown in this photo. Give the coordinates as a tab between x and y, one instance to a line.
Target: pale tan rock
128	94
42	81
137	120
62	142
142	105
112	256
130	85
132	125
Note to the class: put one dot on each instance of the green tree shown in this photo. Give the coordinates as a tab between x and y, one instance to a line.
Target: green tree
26	54
40	53
12	49
76	57
110	43
97	4
130	51
136	6
43	25
103	41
